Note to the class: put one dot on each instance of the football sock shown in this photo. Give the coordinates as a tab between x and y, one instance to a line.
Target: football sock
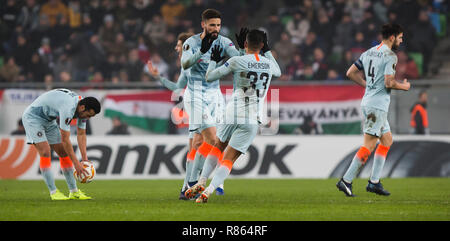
67	170
378	162
211	162
44	165
199	161
189	165
221	174
358	161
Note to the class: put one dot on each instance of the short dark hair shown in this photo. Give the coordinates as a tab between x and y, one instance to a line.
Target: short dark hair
389	29
210	13
254	38
184	36
90	103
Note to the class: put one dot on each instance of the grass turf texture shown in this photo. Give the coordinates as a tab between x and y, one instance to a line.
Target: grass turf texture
244	200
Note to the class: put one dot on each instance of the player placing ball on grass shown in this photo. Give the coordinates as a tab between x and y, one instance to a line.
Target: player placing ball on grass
47	126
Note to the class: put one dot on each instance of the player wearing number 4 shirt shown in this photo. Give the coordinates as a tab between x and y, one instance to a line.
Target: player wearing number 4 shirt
378	64
252	74
42	129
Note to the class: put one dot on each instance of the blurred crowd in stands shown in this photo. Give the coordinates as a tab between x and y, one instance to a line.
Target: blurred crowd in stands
110	40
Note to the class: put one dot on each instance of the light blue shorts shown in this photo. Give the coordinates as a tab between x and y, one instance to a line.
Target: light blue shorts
38	130
239	136
204	111
375	121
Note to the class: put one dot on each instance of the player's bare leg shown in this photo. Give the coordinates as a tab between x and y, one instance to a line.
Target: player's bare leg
230	156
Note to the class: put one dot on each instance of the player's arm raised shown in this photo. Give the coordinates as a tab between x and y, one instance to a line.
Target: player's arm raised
276	71
212	73
188	58
180	84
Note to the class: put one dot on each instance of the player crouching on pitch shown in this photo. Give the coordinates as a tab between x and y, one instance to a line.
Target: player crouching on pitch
41	128
252	74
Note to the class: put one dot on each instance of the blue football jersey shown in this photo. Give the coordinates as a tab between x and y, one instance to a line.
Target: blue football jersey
57	103
377	62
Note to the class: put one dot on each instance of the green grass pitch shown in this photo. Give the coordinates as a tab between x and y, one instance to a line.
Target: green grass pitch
244	200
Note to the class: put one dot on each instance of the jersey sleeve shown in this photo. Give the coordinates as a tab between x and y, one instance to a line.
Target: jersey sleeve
81	123
214	73
65	117
189	57
276	72
391	63
230	49
359	62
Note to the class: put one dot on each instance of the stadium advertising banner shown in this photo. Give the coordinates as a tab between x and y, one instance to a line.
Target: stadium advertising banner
336	109
280	156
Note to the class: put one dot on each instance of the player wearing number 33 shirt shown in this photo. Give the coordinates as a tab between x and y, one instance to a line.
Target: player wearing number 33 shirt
252	74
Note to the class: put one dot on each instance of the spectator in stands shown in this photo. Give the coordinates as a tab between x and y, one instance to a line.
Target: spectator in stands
381	9
9	72
60	33
118	128
41	31
155	30
110	67
406	67
171	10
37	69
87	54
347	61
20	129
369	28
64	77
284	49
108	33
309	127
308	9
298	28
134	66
359	45
45	52
75	17
274	28
423	38
333	75
344	29
22	52
9	15
419	115
29	16
308	73
123	11
295	68
324	29
64	63
194	13
119	47
131	29
320	64
307	48
53	9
